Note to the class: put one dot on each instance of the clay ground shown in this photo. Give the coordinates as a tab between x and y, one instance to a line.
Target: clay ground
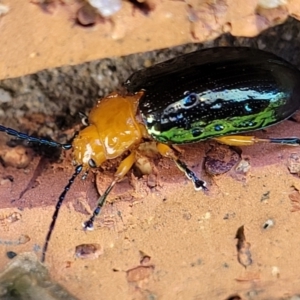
158	238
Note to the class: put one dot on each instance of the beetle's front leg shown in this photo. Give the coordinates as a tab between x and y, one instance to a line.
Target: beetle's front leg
167	151
240	140
123	169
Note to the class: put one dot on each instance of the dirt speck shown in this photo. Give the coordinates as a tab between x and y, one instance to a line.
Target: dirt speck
88	251
243	248
18	157
139	273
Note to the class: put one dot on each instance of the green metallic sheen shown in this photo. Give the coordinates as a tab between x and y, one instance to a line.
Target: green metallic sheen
235	124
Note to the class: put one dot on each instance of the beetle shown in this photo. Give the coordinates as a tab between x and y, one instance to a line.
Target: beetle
207	94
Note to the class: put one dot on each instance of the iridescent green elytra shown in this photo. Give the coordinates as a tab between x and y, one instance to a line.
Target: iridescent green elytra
215	92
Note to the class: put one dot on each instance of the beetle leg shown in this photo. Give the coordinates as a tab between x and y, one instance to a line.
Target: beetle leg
123	169
240	140
85	175
285	141
178	149
166	151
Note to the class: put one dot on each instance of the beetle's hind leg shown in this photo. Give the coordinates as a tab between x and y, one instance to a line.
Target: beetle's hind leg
167	151
240	140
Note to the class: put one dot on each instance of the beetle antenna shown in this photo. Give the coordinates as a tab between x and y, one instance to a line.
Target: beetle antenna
32	139
57	208
89	225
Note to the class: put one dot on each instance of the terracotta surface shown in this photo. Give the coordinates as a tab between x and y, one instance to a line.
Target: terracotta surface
158	245
48	34
157	238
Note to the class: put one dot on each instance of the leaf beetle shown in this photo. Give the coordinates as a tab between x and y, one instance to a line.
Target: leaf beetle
208	94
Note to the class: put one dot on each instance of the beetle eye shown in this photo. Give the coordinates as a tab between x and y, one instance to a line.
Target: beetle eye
84	119
92	163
